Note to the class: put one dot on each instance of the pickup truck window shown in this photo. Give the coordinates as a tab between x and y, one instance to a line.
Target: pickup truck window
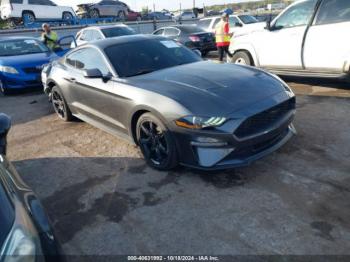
297	15
334	11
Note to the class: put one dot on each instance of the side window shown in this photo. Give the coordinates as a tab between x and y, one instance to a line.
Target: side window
86	35
333	11
217	20
87	58
297	15
159	32
16	1
96	35
171	32
233	20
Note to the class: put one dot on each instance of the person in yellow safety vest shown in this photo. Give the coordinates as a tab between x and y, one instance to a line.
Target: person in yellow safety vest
223	36
50	38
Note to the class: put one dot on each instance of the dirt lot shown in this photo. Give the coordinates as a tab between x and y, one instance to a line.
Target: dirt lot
103	199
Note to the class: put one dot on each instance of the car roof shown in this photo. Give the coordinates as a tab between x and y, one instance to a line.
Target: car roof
17	38
102	44
180	26
104	26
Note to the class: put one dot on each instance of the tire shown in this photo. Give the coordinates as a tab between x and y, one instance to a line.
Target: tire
29	16
156	143
66	16
121	16
242	58
59	105
94	13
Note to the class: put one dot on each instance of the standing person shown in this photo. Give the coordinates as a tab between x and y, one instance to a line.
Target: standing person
223	36
50	38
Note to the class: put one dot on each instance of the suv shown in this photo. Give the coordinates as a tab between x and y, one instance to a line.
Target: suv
104	8
185	15
239	24
31	10
309	38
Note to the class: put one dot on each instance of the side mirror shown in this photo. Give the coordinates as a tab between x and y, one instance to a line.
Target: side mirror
238	24
5	125
93	73
268	25
197	52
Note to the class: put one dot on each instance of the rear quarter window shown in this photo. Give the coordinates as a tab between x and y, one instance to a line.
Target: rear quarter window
333	11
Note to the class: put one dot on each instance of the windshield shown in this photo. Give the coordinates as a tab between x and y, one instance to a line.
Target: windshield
141	57
248	19
117	31
21	47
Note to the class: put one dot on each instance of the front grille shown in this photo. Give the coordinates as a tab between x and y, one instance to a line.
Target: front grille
262	121
32	70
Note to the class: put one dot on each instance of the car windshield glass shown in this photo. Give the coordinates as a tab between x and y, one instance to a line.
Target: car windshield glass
191	29
21	47
117	31
142	57
248	19
7	214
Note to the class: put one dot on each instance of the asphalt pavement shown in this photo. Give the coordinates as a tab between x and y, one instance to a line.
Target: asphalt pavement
104	200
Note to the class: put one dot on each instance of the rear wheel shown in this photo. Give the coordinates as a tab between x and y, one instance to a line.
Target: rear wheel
242	58
66	16
94	13
59	105
121	15
156	143
28	17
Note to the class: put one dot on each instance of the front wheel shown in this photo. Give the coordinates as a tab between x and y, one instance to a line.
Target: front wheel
156	143
28	17
59	105
242	58
94	13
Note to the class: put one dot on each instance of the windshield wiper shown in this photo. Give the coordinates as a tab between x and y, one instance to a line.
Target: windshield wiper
143	71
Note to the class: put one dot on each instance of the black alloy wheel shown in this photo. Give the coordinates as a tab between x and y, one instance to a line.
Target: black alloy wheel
156	143
60	105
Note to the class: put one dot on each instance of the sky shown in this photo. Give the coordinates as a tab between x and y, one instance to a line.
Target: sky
159	4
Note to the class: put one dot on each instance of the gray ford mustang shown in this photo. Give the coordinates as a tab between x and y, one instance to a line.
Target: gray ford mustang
176	107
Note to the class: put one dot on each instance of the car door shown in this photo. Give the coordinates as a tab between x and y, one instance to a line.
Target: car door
94	99
38	8
327	43
104	8
281	45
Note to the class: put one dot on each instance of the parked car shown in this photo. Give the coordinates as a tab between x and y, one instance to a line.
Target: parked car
184	15
191	36
133	16
239	24
94	33
176	107
212	13
25	230
31	10
21	61
306	39
159	16
104	8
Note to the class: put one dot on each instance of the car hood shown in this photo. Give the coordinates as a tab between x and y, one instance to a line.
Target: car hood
37	59
207	87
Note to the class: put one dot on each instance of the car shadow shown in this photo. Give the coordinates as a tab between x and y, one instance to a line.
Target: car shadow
323	82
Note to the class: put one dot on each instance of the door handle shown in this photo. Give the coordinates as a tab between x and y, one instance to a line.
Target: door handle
71	79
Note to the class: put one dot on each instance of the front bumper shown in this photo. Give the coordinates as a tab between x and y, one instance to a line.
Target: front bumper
222	149
20	81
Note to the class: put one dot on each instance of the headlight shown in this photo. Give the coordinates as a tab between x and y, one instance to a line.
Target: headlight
8	69
195	122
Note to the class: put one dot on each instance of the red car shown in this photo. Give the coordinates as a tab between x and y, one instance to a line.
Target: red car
133	16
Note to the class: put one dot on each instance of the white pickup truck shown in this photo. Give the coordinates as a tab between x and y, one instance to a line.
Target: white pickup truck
309	38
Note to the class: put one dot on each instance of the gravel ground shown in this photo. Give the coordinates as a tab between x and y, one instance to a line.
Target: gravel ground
103	199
